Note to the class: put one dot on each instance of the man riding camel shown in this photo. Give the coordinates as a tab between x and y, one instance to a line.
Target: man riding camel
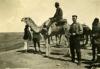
58	16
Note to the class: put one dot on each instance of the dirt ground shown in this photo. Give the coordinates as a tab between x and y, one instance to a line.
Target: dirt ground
12	56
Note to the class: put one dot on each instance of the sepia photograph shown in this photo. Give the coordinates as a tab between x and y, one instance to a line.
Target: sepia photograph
49	34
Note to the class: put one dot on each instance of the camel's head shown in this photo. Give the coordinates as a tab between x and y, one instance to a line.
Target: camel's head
25	19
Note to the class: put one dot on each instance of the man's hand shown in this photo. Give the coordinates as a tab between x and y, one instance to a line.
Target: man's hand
73	33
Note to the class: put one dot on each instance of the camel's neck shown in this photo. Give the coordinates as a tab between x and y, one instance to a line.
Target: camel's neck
33	26
47	23
36	28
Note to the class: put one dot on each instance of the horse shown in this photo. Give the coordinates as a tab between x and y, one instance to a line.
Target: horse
46	32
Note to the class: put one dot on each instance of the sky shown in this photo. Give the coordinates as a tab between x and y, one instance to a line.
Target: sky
11	12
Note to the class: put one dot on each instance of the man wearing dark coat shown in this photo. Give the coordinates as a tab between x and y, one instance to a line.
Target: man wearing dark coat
58	14
36	40
27	36
76	30
95	38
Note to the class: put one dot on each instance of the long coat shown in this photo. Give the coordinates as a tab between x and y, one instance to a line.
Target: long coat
58	15
96	34
27	34
36	36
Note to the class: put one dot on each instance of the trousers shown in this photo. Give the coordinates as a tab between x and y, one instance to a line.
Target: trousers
75	48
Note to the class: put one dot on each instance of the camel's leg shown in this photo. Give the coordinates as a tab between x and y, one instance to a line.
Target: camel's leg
49	40
87	38
56	39
39	46
35	46
52	39
47	48
83	40
60	39
66	41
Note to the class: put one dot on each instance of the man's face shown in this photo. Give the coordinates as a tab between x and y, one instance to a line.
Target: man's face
74	19
56	6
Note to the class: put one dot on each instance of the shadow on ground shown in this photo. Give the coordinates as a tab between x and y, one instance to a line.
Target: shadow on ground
30	51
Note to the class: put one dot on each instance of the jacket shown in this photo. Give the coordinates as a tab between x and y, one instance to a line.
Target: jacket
27	34
96	33
59	14
76	28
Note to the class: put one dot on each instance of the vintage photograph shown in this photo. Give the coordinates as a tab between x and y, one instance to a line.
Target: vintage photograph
49	34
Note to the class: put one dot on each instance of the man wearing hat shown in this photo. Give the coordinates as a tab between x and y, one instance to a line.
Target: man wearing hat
58	15
76	30
96	39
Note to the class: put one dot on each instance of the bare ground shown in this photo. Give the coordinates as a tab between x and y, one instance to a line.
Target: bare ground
12	56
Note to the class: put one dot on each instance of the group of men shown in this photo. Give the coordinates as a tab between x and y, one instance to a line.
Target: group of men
76	30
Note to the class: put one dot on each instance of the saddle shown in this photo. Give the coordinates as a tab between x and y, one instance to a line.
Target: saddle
61	22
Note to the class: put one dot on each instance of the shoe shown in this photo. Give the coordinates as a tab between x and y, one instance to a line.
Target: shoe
73	60
45	56
79	63
40	52
93	60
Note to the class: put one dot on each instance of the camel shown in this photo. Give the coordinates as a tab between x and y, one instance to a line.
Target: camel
50	30
86	34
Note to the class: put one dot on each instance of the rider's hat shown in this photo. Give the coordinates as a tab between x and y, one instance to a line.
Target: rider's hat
57	3
74	16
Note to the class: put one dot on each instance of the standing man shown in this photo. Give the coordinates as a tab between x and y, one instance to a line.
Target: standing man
76	30
36	40
58	14
27	36
95	39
